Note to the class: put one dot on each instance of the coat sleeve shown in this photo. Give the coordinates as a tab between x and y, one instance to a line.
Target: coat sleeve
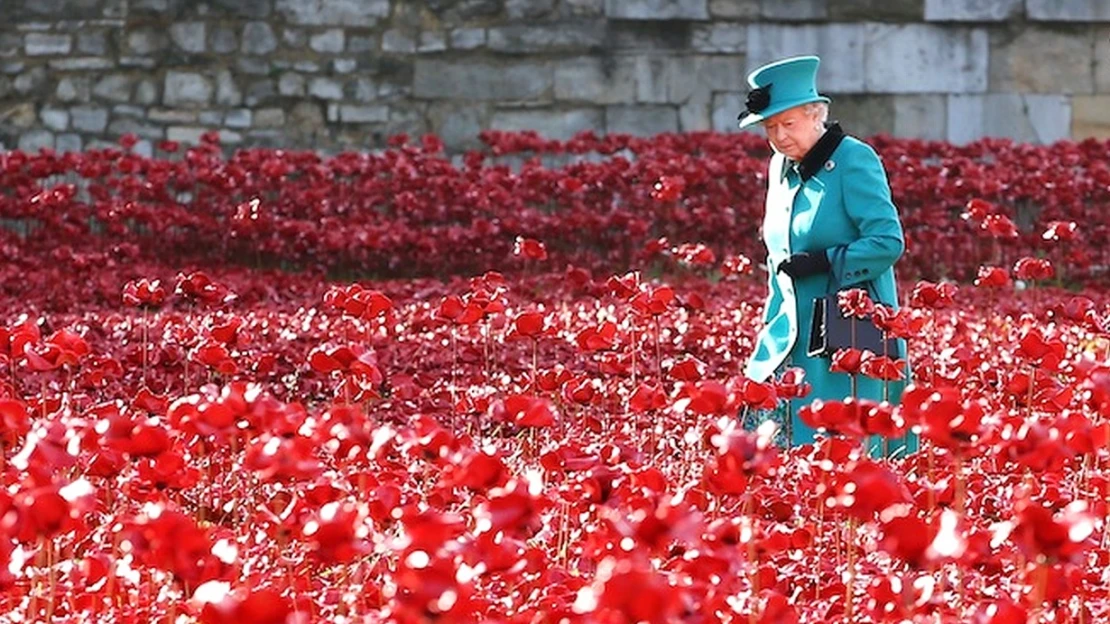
868	204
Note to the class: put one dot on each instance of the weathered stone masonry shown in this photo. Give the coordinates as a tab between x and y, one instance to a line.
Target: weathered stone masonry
336	74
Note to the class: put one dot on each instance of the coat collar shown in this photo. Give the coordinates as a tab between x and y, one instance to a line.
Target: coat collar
820	153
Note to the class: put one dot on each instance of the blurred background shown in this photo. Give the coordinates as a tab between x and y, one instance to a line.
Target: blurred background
346	74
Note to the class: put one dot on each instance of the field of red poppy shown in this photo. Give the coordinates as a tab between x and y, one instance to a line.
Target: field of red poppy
278	387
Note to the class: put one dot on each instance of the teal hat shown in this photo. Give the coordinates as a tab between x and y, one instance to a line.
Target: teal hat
780	86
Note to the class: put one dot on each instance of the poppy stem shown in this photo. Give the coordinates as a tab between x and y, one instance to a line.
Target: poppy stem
535	363
849	593
633	356
658	350
961	485
144	345
753	561
454	361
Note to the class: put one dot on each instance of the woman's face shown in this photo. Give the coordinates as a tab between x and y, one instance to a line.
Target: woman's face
793	131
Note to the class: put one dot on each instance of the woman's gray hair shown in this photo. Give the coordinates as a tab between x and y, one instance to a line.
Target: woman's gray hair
819	110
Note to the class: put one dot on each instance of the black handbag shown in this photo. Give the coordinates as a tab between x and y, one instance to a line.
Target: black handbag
831	330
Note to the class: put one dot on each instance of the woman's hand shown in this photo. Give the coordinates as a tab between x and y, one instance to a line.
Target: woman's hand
805	264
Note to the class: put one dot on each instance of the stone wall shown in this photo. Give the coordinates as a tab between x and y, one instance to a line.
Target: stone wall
338	74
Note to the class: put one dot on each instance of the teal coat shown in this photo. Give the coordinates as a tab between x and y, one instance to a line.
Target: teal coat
838	203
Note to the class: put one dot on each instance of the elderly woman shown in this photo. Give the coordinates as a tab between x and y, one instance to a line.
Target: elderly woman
829	225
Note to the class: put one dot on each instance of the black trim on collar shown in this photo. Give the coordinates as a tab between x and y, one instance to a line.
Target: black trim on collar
821	151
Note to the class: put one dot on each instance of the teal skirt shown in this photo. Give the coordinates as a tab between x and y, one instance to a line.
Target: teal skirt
792	432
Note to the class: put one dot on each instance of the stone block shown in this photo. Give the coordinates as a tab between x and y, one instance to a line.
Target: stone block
68	143
81	63
863	115
92	42
227	90
734	9
468	38
972	10
877	10
657	9
190	135
675	79
344	65
259	92
252	9
146	92
171	116
794	10
73	89
114	88
269	118
128	110
921	116
294	38
47	44
210	118
925	59
305	116
582	8
1090	117
34	140
457	124
56	119
1068	10
349	13
1026	118
186	89
147	41
528	9
144	62
308	67
840	47
238	118
141	129
1042	60
478	80
31	82
88	118
725	107
396	41
526	38
325	88
642	120
550	123
357	44
18	114
649	36
291	84
432	41
695	115
599	80
328	42
363	114
253	65
720	37
258	38
224	39
10	44
190	37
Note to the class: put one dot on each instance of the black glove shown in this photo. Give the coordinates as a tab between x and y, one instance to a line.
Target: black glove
805	264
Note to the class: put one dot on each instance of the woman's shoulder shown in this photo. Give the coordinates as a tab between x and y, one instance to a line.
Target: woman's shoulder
855	148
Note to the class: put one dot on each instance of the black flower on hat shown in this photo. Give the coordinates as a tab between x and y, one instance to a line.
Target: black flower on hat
758	99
